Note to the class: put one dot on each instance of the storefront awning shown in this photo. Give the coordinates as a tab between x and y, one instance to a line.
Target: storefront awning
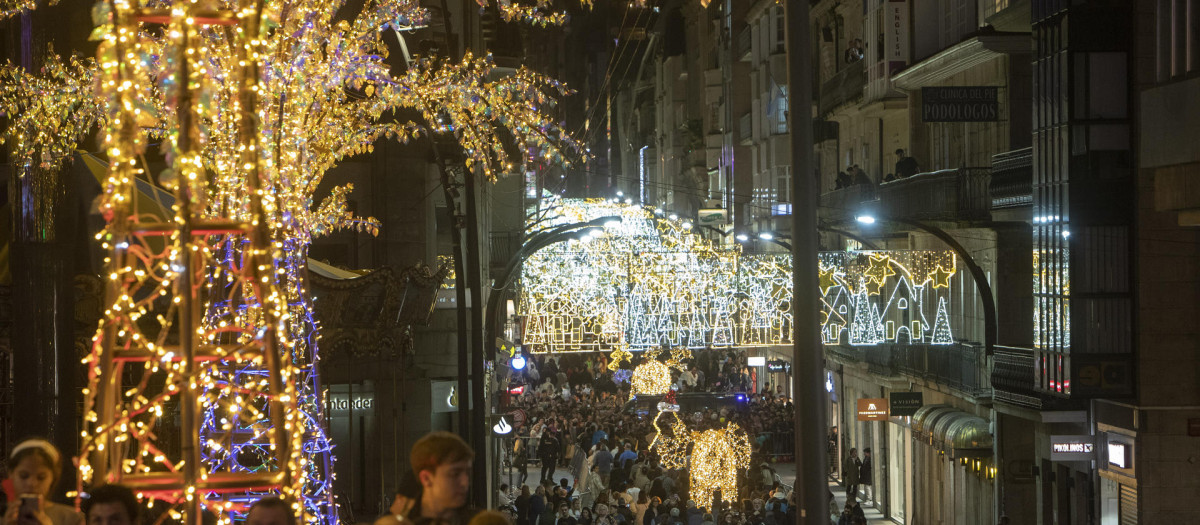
921	420
969	433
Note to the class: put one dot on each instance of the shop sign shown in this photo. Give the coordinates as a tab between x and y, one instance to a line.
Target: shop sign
872	409
960	104
906	403
1072	448
779	365
502	426
713	217
345	403
1118	454
896	37
445	396
756	361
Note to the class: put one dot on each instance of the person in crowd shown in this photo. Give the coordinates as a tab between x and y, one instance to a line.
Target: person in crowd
603	460
602	516
523	503
269	511
441	463
564	515
576	508
766	475
521	463
595	485
585	517
548	453
864	474
34	466
627	457
537	505
905	166
851	470
503	498
115	504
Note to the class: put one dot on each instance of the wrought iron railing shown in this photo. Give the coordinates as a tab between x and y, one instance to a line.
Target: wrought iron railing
845	86
961	366
954	194
1012	376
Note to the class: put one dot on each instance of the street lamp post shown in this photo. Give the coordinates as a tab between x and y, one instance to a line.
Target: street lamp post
535	243
981	282
807	357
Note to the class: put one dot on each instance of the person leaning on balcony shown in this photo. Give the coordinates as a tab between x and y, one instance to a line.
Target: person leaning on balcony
843	181
905	166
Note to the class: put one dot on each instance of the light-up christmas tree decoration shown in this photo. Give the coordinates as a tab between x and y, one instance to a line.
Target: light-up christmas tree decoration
865	326
941	325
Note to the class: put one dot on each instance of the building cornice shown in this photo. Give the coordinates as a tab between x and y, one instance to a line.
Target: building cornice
960	57
758	9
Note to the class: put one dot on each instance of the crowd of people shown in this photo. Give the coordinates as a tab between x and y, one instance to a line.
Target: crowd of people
574	409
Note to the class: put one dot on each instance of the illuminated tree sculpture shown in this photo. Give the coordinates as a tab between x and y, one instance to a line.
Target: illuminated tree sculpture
717	456
282	89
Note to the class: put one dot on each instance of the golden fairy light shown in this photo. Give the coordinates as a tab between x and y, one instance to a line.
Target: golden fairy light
651	378
277	92
672	448
717	457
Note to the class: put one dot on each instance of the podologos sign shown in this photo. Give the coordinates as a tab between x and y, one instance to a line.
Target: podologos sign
872	409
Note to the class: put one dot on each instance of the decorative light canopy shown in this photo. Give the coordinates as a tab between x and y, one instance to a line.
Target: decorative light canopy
649	281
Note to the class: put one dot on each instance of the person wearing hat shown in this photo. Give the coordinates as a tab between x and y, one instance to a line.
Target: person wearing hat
34	467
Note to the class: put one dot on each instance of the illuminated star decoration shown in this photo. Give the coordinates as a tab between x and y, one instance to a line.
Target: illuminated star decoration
826	279
941	277
880	269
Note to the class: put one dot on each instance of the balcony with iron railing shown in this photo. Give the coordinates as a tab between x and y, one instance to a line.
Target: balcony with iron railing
1012	377
843	87
961	366
957	194
1012	179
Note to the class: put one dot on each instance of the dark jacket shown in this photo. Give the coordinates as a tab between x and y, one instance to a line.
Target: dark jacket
537	505
522	503
851	468
864	472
